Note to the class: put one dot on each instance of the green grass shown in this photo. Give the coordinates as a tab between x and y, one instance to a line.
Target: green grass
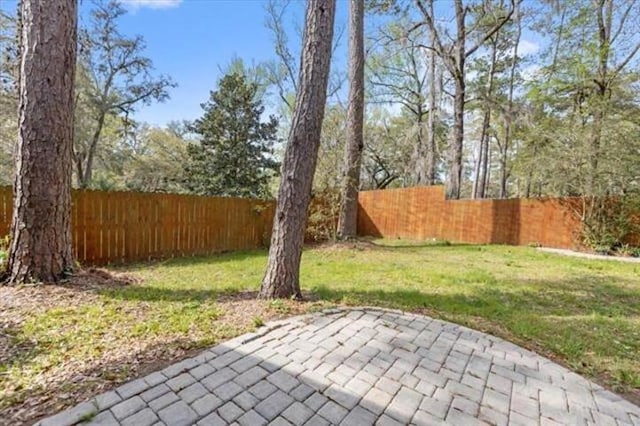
583	313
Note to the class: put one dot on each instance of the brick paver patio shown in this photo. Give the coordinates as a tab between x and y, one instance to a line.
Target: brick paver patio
359	367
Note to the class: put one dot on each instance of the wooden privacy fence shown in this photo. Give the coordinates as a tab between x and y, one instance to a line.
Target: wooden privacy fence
117	227
423	213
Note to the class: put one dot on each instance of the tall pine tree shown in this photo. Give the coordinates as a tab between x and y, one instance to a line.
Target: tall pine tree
234	156
41	237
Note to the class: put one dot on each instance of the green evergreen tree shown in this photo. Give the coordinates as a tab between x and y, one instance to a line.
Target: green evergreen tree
234	156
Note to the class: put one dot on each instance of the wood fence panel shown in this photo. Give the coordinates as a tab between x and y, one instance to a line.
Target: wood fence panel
423	212
119	227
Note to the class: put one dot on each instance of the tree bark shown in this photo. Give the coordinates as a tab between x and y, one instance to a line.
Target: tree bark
282	277
454	177
508	122
348	218
41	243
454	60
432	120
480	183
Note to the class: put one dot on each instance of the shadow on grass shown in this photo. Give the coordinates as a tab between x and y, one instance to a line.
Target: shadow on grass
14	348
36	401
590	327
190	261
158	294
582	295
394	245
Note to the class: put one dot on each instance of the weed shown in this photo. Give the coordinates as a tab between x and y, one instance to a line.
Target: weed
258	322
279	306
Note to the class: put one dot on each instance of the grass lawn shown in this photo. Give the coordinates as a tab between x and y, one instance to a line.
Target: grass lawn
59	345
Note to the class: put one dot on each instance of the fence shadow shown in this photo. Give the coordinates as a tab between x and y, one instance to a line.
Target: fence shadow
423	212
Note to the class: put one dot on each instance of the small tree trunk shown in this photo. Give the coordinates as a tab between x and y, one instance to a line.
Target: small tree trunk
348	218
432	120
504	171
41	229
479	189
605	15
454	177
508	124
480	184
86	178
282	277
487	174
420	156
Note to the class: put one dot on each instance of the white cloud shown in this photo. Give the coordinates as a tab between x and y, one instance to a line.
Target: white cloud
527	47
152	4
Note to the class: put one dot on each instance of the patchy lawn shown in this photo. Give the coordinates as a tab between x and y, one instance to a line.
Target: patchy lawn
59	345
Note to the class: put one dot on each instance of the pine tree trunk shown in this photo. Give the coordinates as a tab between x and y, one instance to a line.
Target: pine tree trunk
41	248
348	218
282	277
480	184
454	177
420	152
508	124
479	189
432	120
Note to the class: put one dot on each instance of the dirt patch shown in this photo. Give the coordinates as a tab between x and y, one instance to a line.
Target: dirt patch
81	287
347	246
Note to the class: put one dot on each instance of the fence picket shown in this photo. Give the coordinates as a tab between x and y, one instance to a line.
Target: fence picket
118	227
423	212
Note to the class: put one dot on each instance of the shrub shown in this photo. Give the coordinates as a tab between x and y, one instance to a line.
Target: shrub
4	251
608	223
323	217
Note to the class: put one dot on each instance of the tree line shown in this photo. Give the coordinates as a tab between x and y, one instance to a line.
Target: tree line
228	151
492	98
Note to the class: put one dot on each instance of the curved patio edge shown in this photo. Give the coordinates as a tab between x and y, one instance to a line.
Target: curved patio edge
358	366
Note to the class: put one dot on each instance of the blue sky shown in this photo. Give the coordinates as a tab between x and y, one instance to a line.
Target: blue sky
190	40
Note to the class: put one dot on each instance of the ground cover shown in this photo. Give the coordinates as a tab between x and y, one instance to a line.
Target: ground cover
59	345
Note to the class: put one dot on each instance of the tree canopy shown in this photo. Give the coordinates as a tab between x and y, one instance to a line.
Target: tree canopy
234	154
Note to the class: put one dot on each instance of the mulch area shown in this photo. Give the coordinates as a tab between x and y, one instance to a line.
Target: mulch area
79	379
